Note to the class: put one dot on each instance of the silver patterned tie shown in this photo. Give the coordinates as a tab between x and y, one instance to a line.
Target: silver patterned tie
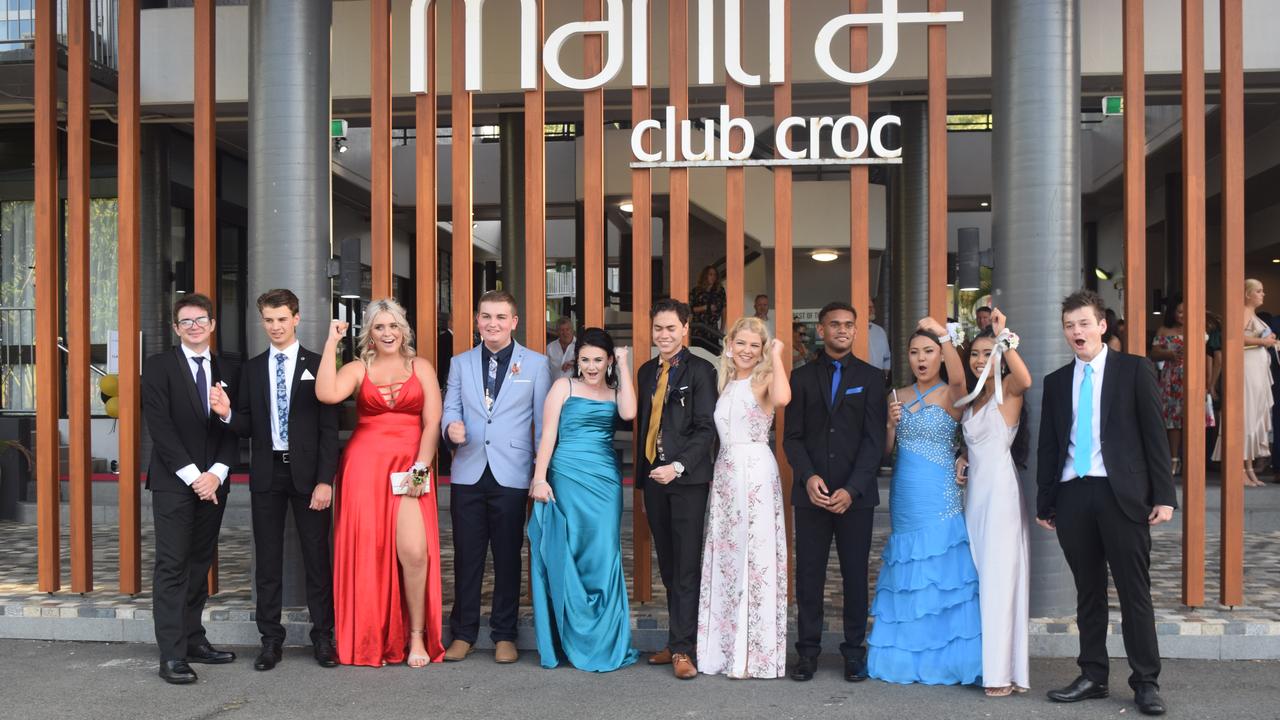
282	397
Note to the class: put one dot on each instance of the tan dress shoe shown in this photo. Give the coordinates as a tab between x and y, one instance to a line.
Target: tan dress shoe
458	650
505	652
683	666
662	657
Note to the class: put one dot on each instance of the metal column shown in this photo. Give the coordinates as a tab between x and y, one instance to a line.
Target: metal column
910	238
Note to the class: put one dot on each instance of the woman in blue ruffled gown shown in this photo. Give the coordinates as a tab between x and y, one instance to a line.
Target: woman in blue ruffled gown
580	610
928	626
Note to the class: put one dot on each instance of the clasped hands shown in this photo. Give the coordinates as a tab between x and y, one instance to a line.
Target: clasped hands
837	502
206	487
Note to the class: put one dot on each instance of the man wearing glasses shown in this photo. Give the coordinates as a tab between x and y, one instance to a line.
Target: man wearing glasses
193	452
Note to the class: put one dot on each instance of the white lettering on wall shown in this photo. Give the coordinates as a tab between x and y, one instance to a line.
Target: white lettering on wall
888	19
611	28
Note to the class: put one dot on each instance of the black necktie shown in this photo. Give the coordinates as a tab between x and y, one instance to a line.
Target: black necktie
202	384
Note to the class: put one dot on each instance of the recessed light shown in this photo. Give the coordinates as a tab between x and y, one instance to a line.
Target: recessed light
984	203
627	207
1276	260
824	255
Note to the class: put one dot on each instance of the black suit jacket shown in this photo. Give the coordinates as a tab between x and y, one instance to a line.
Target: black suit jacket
688	417
181	434
1135	448
313	425
842	444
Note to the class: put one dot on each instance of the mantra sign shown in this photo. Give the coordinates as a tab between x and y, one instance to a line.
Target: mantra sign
613	32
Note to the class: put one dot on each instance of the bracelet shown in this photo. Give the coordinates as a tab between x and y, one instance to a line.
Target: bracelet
1008	339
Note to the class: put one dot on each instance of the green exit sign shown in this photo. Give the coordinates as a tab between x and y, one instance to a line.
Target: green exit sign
337	129
1112	105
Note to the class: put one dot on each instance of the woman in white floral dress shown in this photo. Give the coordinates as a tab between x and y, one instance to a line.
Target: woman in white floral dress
742	611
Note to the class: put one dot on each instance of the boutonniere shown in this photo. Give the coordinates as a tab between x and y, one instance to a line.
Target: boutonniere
515	369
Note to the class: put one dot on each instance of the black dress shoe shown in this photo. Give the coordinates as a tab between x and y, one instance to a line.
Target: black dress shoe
325	653
1082	689
207	654
804	669
1148	700
268	657
177	672
855	670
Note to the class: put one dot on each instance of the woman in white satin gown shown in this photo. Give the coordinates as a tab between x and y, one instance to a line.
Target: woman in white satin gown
995	436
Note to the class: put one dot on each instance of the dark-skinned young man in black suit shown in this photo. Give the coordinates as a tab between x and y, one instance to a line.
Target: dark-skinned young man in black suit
1104	480
193	451
834	440
293	460
676	402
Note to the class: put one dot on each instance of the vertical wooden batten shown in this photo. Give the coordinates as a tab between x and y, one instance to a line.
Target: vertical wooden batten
205	142
48	297
593	253
77	329
380	140
678	178
460	217
129	226
426	272
937	95
535	204
782	275
1193	289
735	235
641	328
1135	181
859	195
1233	214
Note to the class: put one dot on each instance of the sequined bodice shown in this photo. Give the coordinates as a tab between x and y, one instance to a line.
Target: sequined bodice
929	431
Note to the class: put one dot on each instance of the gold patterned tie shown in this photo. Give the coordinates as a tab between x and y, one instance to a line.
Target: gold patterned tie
655	415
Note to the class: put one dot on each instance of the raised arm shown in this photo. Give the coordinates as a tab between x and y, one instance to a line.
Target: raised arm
626	387
956	387
777	392
539	488
431	410
332	385
1018	381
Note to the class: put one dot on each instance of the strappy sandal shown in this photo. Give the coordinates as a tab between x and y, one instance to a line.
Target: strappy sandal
1005	691
415	660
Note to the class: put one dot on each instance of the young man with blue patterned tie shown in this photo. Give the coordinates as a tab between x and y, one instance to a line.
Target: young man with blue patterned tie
1104	480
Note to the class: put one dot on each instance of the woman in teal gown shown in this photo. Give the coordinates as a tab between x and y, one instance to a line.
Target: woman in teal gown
928	623
580	609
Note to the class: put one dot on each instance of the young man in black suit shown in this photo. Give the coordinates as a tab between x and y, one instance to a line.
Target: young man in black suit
676	407
834	441
192	453
1104	479
293	461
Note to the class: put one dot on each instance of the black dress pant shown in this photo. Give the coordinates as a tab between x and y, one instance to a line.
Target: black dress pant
815	529
1095	535
186	536
270	510
486	516
677	514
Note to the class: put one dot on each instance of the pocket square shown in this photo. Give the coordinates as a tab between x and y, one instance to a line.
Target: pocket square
221	384
853	391
521	381
306	375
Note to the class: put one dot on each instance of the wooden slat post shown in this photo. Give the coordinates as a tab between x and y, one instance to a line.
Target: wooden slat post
48	297
859	196
463	318
1193	219
77	331
782	278
205	262
641	328
735	235
380	150
937	95
1135	181
535	204
1232	427
129	225
593	248
678	178
425	270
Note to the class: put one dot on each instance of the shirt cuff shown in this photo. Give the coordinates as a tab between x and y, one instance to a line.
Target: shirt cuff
221	471
226	420
188	473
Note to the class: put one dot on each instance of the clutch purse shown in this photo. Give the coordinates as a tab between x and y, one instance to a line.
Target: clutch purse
402	481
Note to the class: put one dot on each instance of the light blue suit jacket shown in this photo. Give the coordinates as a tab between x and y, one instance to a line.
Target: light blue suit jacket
506	438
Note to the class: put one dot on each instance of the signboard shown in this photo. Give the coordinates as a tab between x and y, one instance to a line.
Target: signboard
1112	105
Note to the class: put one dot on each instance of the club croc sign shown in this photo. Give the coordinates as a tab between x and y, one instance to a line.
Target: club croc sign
866	143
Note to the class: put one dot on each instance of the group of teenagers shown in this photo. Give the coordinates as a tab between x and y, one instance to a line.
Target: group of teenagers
951	599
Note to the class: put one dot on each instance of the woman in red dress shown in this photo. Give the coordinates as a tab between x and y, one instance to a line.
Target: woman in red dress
386	569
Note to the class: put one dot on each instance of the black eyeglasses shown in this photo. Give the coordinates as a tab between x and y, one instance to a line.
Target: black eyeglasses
188	323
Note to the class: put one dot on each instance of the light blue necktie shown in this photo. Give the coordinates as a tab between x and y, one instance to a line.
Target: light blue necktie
1084	425
282	397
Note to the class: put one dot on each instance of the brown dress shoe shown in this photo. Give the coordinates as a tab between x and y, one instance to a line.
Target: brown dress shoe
505	652
662	657
683	666
458	650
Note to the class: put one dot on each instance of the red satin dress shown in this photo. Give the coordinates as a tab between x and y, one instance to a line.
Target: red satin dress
371	617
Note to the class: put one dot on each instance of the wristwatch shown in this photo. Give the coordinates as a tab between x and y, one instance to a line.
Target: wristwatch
679	468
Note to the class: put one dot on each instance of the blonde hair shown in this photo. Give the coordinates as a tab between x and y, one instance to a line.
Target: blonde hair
394	309
1251	285
728	371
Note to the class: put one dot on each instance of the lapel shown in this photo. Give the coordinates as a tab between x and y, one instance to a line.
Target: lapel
1064	409
517	356
299	367
675	375
188	380
472	360
1109	390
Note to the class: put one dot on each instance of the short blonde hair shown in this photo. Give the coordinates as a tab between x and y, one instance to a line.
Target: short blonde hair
1250	285
396	311
727	370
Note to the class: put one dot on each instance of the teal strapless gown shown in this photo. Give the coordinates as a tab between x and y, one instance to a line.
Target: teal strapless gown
580	609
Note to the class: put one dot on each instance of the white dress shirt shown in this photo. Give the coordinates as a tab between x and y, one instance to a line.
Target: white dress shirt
556	358
190	473
878	347
291	362
1096	466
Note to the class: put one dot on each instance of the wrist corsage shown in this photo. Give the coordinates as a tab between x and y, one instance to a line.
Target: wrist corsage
955	335
1008	339
419	474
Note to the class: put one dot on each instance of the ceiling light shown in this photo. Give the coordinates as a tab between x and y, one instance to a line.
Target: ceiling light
1276	260
824	255
984	203
627	206
1101	274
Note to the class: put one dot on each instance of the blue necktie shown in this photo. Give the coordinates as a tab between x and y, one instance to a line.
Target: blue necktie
1084	425
202	384
282	397
835	381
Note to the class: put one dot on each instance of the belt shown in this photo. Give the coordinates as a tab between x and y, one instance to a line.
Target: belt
281	455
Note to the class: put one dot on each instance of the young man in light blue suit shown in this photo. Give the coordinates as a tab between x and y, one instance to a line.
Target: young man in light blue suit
492	423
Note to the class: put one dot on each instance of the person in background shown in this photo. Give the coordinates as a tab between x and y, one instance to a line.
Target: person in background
444	348
706	302
878	352
1259	345
560	352
983	316
800	353
763	314
1114	328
